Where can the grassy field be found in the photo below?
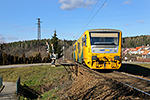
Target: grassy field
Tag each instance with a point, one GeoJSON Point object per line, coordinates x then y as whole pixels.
{"type": "Point", "coordinates": [37, 80]}
{"type": "Point", "coordinates": [136, 69]}
{"type": "Point", "coordinates": [143, 65]}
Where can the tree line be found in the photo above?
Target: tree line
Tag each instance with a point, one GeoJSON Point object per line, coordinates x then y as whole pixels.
{"type": "Point", "coordinates": [30, 47]}
{"type": "Point", "coordinates": [7, 59]}
{"type": "Point", "coordinates": [26, 52]}
{"type": "Point", "coordinates": [136, 41]}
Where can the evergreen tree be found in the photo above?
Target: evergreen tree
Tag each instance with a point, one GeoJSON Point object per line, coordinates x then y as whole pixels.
{"type": "Point", "coordinates": [20, 60]}
{"type": "Point", "coordinates": [16, 59]}
{"type": "Point", "coordinates": [38, 58]}
{"type": "Point", "coordinates": [2, 47]}
{"type": "Point", "coordinates": [27, 60]}
{"type": "Point", "coordinates": [45, 60]}
{"type": "Point", "coordinates": [31, 59]}
{"type": "Point", "coordinates": [1, 59]}
{"type": "Point", "coordinates": [57, 47]}
{"type": "Point", "coordinates": [9, 59]}
{"type": "Point", "coordinates": [5, 59]}
{"type": "Point", "coordinates": [12, 59]}
{"type": "Point", "coordinates": [23, 58]}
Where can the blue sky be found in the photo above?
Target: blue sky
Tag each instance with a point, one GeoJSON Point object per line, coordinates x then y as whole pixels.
{"type": "Point", "coordinates": [18, 18]}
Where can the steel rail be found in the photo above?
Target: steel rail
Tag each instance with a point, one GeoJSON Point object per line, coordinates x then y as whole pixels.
{"type": "Point", "coordinates": [97, 73]}
{"type": "Point", "coordinates": [121, 82]}
{"type": "Point", "coordinates": [132, 86]}
{"type": "Point", "coordinates": [135, 76]}
{"type": "Point", "coordinates": [135, 88]}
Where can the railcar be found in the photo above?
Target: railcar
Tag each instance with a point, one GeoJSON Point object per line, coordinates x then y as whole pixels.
{"type": "Point", "coordinates": [99, 49]}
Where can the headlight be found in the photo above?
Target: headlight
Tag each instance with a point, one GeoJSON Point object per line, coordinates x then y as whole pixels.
{"type": "Point", "coordinates": [94, 57]}
{"type": "Point", "coordinates": [116, 58]}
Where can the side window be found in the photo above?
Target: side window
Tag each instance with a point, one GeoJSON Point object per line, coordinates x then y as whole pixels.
{"type": "Point", "coordinates": [85, 40]}
{"type": "Point", "coordinates": [74, 47]}
{"type": "Point", "coordinates": [82, 41]}
{"type": "Point", "coordinates": [78, 47]}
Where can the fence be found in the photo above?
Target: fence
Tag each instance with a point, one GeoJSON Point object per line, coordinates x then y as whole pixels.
{"type": "Point", "coordinates": [1, 80]}
{"type": "Point", "coordinates": [18, 85]}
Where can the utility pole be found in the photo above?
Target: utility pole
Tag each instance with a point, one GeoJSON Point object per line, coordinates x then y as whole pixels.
{"type": "Point", "coordinates": [39, 34]}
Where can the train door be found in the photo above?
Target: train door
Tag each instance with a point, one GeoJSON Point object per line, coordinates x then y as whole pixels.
{"type": "Point", "coordinates": [85, 53]}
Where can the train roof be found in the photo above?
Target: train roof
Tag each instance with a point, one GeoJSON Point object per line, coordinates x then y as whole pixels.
{"type": "Point", "coordinates": [103, 30]}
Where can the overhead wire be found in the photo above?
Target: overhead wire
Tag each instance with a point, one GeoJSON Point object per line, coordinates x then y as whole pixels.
{"type": "Point", "coordinates": [93, 15]}
{"type": "Point", "coordinates": [90, 13]}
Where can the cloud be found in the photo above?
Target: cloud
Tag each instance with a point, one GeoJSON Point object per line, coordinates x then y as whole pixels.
{"type": "Point", "coordinates": [2, 39]}
{"type": "Point", "coordinates": [127, 2]}
{"type": "Point", "coordinates": [13, 38]}
{"type": "Point", "coordinates": [140, 21]}
{"type": "Point", "coordinates": [73, 4]}
{"type": "Point", "coordinates": [128, 24]}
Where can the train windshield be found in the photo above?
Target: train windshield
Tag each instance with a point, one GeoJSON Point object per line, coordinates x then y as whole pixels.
{"type": "Point", "coordinates": [104, 39]}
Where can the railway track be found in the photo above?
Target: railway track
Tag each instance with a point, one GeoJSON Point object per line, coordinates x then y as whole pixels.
{"type": "Point", "coordinates": [132, 86]}
{"type": "Point", "coordinates": [139, 84]}
{"type": "Point", "coordinates": [120, 85]}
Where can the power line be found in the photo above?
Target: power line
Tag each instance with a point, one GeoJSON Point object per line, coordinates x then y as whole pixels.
{"type": "Point", "coordinates": [90, 14]}
{"type": "Point", "coordinates": [94, 15]}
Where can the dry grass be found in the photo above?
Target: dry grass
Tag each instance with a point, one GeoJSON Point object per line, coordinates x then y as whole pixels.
{"type": "Point", "coordinates": [37, 79]}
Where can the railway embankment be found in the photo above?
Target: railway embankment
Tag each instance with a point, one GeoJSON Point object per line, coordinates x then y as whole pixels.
{"type": "Point", "coordinates": [47, 82]}
{"type": "Point", "coordinates": [88, 85]}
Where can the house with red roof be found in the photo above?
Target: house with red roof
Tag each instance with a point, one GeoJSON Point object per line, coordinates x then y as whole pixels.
{"type": "Point", "coordinates": [146, 54]}
{"type": "Point", "coordinates": [125, 51]}
{"type": "Point", "coordinates": [132, 51]}
{"type": "Point", "coordinates": [137, 50]}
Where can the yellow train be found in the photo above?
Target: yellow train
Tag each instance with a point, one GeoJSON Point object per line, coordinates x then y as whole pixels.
{"type": "Point", "coordinates": [99, 49]}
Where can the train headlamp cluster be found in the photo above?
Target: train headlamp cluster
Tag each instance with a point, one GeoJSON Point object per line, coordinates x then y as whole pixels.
{"type": "Point", "coordinates": [94, 57]}
{"type": "Point", "coordinates": [116, 58]}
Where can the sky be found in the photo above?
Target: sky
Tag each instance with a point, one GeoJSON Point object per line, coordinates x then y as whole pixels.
{"type": "Point", "coordinates": [70, 18]}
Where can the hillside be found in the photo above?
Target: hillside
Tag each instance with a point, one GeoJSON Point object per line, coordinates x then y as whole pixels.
{"type": "Point", "coordinates": [30, 47]}
{"type": "Point", "coordinates": [136, 41]}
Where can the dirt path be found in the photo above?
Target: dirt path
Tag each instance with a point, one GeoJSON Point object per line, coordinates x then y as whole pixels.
{"type": "Point", "coordinates": [8, 91]}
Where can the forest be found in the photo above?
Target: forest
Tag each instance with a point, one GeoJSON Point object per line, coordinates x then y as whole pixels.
{"type": "Point", "coordinates": [136, 41]}
{"type": "Point", "coordinates": [32, 51]}
{"type": "Point", "coordinates": [22, 52]}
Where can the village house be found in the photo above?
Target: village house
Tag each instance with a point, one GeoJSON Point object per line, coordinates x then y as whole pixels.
{"type": "Point", "coordinates": [146, 54]}
{"type": "Point", "coordinates": [144, 51]}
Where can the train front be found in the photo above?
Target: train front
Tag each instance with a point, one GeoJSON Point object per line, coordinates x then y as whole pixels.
{"type": "Point", "coordinates": [105, 49]}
